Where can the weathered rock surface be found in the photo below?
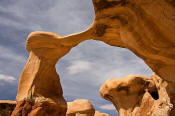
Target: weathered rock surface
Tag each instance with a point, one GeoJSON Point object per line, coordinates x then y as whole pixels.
{"type": "Point", "coordinates": [146, 27]}
{"type": "Point", "coordinates": [126, 93]}
{"type": "Point", "coordinates": [80, 107]}
{"type": "Point", "coordinates": [164, 106]}
{"type": "Point", "coordinates": [140, 96]}
{"type": "Point", "coordinates": [6, 107]}
{"type": "Point", "coordinates": [97, 113]}
{"type": "Point", "coordinates": [40, 92]}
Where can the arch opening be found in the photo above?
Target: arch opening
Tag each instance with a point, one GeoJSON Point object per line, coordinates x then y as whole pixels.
{"type": "Point", "coordinates": [87, 66]}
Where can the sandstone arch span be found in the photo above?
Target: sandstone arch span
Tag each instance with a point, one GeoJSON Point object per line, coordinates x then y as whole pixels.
{"type": "Point", "coordinates": [145, 27]}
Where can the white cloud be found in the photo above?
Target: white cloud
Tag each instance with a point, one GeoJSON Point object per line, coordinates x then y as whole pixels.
{"type": "Point", "coordinates": [79, 66]}
{"type": "Point", "coordinates": [108, 107]}
{"type": "Point", "coordinates": [7, 78]}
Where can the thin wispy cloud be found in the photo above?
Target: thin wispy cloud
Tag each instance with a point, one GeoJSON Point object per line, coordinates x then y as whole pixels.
{"type": "Point", "coordinates": [79, 66]}
{"type": "Point", "coordinates": [108, 107]}
{"type": "Point", "coordinates": [7, 78]}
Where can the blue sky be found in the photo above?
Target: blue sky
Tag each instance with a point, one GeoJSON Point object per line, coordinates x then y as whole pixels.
{"type": "Point", "coordinates": [83, 70]}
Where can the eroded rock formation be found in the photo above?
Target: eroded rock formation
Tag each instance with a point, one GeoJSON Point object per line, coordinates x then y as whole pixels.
{"type": "Point", "coordinates": [40, 92]}
{"type": "Point", "coordinates": [126, 93]}
{"type": "Point", "coordinates": [146, 27]}
{"type": "Point", "coordinates": [80, 107]}
{"type": "Point", "coordinates": [140, 96]}
{"type": "Point", "coordinates": [6, 107]}
{"type": "Point", "coordinates": [165, 105]}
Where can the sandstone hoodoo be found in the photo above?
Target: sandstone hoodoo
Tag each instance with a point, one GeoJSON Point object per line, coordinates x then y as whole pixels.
{"type": "Point", "coordinates": [40, 92]}
{"type": "Point", "coordinates": [139, 96]}
{"type": "Point", "coordinates": [127, 93]}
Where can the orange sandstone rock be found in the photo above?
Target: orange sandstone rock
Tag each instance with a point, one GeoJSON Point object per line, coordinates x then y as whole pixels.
{"type": "Point", "coordinates": [80, 107]}
{"type": "Point", "coordinates": [97, 113]}
{"type": "Point", "coordinates": [6, 107]}
{"type": "Point", "coordinates": [164, 106]}
{"type": "Point", "coordinates": [126, 93]}
{"type": "Point", "coordinates": [140, 96]}
{"type": "Point", "coordinates": [40, 92]}
{"type": "Point", "coordinates": [146, 27]}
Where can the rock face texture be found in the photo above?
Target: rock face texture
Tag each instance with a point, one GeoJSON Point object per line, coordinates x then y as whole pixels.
{"type": "Point", "coordinates": [146, 27]}
{"type": "Point", "coordinates": [140, 96]}
{"type": "Point", "coordinates": [40, 92]}
{"type": "Point", "coordinates": [80, 107]}
{"type": "Point", "coordinates": [126, 93]}
{"type": "Point", "coordinates": [6, 107]}
{"type": "Point", "coordinates": [164, 106]}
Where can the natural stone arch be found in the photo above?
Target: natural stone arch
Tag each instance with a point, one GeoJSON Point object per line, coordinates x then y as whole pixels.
{"type": "Point", "coordinates": [145, 27]}
{"type": "Point", "coordinates": [40, 91]}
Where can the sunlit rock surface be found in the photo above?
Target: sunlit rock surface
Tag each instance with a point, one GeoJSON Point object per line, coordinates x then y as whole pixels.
{"type": "Point", "coordinates": [140, 96]}
{"type": "Point", "coordinates": [40, 92]}
{"type": "Point", "coordinates": [146, 27]}
{"type": "Point", "coordinates": [80, 107]}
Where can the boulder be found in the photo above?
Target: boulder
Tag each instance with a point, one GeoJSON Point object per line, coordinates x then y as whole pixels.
{"type": "Point", "coordinates": [81, 107]}
{"type": "Point", "coordinates": [6, 107]}
{"type": "Point", "coordinates": [135, 95]}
